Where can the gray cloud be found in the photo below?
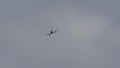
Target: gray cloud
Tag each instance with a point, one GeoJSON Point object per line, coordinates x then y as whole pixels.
{"type": "Point", "coordinates": [86, 38]}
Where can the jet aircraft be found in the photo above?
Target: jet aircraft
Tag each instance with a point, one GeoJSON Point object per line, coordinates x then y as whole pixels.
{"type": "Point", "coordinates": [51, 32]}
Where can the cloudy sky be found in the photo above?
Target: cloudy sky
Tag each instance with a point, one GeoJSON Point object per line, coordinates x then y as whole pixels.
{"type": "Point", "coordinates": [88, 35]}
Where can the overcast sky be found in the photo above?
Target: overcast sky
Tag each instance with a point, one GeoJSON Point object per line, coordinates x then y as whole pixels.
{"type": "Point", "coordinates": [88, 35]}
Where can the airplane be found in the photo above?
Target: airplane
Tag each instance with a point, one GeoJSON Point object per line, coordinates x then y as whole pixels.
{"type": "Point", "coordinates": [52, 32]}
